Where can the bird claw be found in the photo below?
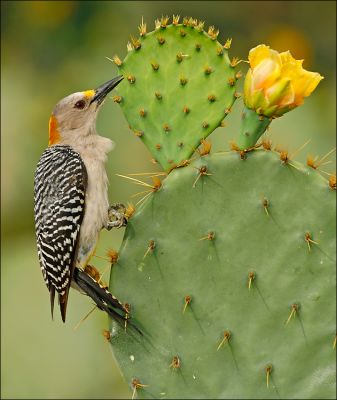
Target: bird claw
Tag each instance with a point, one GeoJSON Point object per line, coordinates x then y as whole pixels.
{"type": "Point", "coordinates": [116, 216]}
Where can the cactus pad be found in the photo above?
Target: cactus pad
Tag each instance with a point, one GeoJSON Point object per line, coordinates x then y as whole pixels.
{"type": "Point", "coordinates": [229, 269]}
{"type": "Point", "coordinates": [179, 85]}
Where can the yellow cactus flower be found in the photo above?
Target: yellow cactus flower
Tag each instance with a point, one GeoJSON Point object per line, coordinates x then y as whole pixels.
{"type": "Point", "coordinates": [276, 82]}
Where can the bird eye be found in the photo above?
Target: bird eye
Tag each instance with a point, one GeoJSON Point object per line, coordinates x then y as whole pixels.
{"type": "Point", "coordinates": [80, 104]}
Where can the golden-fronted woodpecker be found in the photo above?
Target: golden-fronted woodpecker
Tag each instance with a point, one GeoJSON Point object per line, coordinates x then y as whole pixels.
{"type": "Point", "coordinates": [71, 200]}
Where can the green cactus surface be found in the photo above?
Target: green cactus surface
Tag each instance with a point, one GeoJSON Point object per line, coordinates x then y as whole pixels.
{"type": "Point", "coordinates": [229, 269]}
{"type": "Point", "coordinates": [179, 85]}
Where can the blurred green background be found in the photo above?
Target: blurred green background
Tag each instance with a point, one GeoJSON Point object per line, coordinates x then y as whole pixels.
{"type": "Point", "coordinates": [51, 49]}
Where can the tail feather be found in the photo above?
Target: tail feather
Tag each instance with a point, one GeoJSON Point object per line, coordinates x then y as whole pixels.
{"type": "Point", "coordinates": [102, 297]}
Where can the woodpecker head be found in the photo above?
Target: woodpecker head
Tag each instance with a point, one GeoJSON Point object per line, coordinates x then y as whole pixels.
{"type": "Point", "coordinates": [75, 115]}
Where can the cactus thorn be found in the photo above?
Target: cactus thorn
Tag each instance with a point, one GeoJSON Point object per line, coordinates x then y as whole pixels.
{"type": "Point", "coordinates": [106, 334]}
{"type": "Point", "coordinates": [212, 32]}
{"type": "Point", "coordinates": [187, 301]}
{"type": "Point", "coordinates": [293, 312]}
{"type": "Point", "coordinates": [332, 181]}
{"type": "Point", "coordinates": [183, 81]}
{"type": "Point", "coordinates": [208, 70]}
{"type": "Point", "coordinates": [227, 111]}
{"type": "Point", "coordinates": [238, 75]}
{"type": "Point", "coordinates": [219, 51]}
{"type": "Point", "coordinates": [265, 204]}
{"type": "Point", "coordinates": [157, 23]}
{"type": "Point", "coordinates": [186, 110]}
{"type": "Point", "coordinates": [311, 162]}
{"type": "Point", "coordinates": [228, 43]}
{"type": "Point", "coordinates": [150, 247]}
{"type": "Point", "coordinates": [155, 66]}
{"type": "Point", "coordinates": [161, 40]}
{"type": "Point", "coordinates": [131, 78]}
{"type": "Point", "coordinates": [142, 28]}
{"type": "Point", "coordinates": [142, 112]}
{"type": "Point", "coordinates": [182, 33]}
{"type": "Point", "coordinates": [180, 144]}
{"type": "Point", "coordinates": [235, 61]}
{"type": "Point", "coordinates": [117, 60]}
{"type": "Point", "coordinates": [139, 133]}
{"type": "Point", "coordinates": [185, 21]}
{"type": "Point", "coordinates": [211, 98]}
{"type": "Point", "coordinates": [117, 99]}
{"type": "Point", "coordinates": [164, 21]}
{"type": "Point", "coordinates": [205, 148]}
{"type": "Point", "coordinates": [309, 240]}
{"type": "Point", "coordinates": [237, 95]}
{"type": "Point", "coordinates": [112, 255]}
{"type": "Point", "coordinates": [226, 338]}
{"type": "Point", "coordinates": [175, 19]}
{"type": "Point", "coordinates": [231, 81]}
{"type": "Point", "coordinates": [269, 369]}
{"type": "Point", "coordinates": [158, 146]}
{"type": "Point", "coordinates": [175, 364]}
{"type": "Point", "coordinates": [334, 342]}
{"type": "Point", "coordinates": [130, 210]}
{"type": "Point", "coordinates": [205, 125]}
{"type": "Point", "coordinates": [129, 47]}
{"type": "Point", "coordinates": [251, 277]}
{"type": "Point", "coordinates": [158, 95]}
{"type": "Point", "coordinates": [136, 43]}
{"type": "Point", "coordinates": [197, 46]}
{"type": "Point", "coordinates": [200, 26]}
{"type": "Point", "coordinates": [210, 235]}
{"type": "Point", "coordinates": [166, 127]}
{"type": "Point", "coordinates": [202, 172]}
{"type": "Point", "coordinates": [136, 384]}
{"type": "Point", "coordinates": [266, 144]}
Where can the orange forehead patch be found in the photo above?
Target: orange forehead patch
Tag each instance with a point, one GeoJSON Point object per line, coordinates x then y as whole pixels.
{"type": "Point", "coordinates": [54, 134]}
{"type": "Point", "coordinates": [89, 93]}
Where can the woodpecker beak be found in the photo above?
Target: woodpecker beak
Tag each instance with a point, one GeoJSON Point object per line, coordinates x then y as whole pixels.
{"type": "Point", "coordinates": [103, 90]}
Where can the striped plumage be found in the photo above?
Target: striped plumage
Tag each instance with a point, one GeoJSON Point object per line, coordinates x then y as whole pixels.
{"type": "Point", "coordinates": [59, 194]}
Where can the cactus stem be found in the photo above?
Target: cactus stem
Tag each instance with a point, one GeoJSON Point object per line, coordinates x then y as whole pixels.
{"type": "Point", "coordinates": [210, 235]}
{"type": "Point", "coordinates": [226, 337]}
{"type": "Point", "coordinates": [265, 204]}
{"type": "Point", "coordinates": [309, 240]}
{"type": "Point", "coordinates": [293, 312]}
{"type": "Point", "coordinates": [106, 334]}
{"type": "Point", "coordinates": [269, 369]}
{"type": "Point", "coordinates": [202, 172]}
{"type": "Point", "coordinates": [175, 364]}
{"type": "Point", "coordinates": [158, 95]}
{"type": "Point", "coordinates": [150, 247]}
{"type": "Point", "coordinates": [187, 300]}
{"type": "Point", "coordinates": [136, 384]}
{"type": "Point", "coordinates": [251, 277]}
{"type": "Point", "coordinates": [334, 342]}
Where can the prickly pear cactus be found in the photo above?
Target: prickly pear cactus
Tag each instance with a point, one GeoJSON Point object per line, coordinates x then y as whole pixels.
{"type": "Point", "coordinates": [179, 86]}
{"type": "Point", "coordinates": [229, 271]}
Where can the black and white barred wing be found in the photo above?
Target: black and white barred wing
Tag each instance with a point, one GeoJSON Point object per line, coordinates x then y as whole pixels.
{"type": "Point", "coordinates": [59, 194]}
